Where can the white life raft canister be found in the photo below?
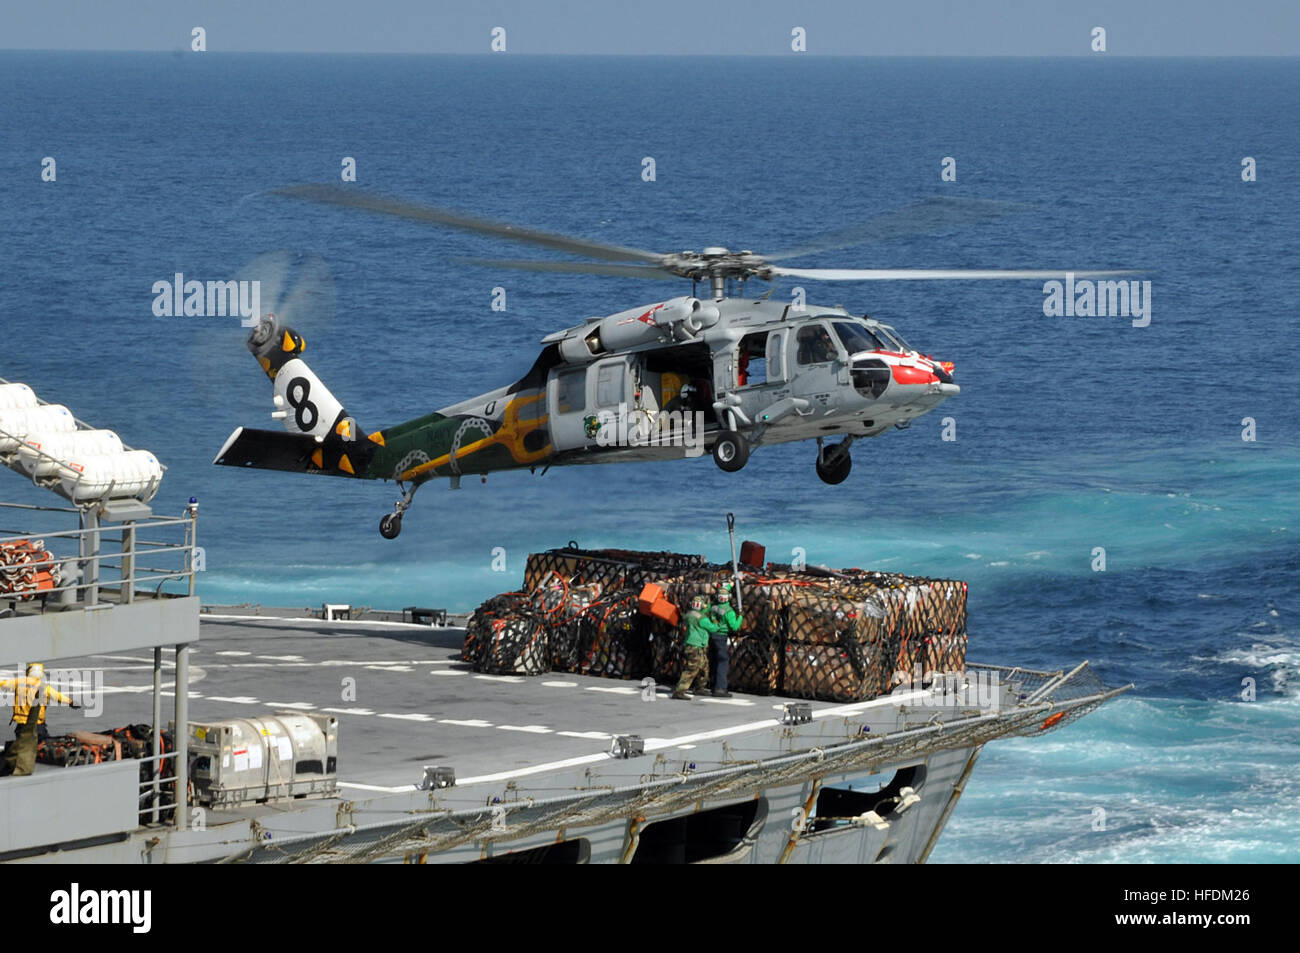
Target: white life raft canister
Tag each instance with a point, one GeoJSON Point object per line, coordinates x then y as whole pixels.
{"type": "Point", "coordinates": [133, 474]}
{"type": "Point", "coordinates": [16, 395]}
{"type": "Point", "coordinates": [17, 422]}
{"type": "Point", "coordinates": [35, 454]}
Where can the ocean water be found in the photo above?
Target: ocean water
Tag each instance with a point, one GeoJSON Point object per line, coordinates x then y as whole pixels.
{"type": "Point", "coordinates": [1072, 433]}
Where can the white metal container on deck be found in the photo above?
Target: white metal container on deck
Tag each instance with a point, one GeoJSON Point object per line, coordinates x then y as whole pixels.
{"type": "Point", "coordinates": [246, 760]}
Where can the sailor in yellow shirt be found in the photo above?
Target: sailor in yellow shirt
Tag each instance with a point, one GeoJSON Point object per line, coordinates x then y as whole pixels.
{"type": "Point", "coordinates": [30, 697]}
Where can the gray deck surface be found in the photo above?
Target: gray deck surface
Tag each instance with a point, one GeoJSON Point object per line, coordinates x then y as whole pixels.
{"type": "Point", "coordinates": [415, 702]}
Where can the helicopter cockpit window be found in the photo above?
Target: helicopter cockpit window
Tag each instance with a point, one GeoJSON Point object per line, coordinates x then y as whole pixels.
{"type": "Point", "coordinates": [892, 335]}
{"type": "Point", "coordinates": [609, 385]}
{"type": "Point", "coordinates": [571, 392]}
{"type": "Point", "coordinates": [857, 338]}
{"type": "Point", "coordinates": [813, 345]}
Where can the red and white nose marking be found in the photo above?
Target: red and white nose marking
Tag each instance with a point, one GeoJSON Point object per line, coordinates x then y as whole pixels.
{"type": "Point", "coordinates": [924, 377]}
{"type": "Point", "coordinates": [913, 373]}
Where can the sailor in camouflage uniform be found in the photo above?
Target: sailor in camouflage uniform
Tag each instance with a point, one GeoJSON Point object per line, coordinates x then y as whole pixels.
{"type": "Point", "coordinates": [698, 629]}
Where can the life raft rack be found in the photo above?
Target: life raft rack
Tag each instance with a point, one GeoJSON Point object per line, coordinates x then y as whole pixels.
{"type": "Point", "coordinates": [83, 464]}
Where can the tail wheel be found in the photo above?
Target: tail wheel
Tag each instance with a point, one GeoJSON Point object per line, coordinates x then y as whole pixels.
{"type": "Point", "coordinates": [835, 469]}
{"type": "Point", "coordinates": [730, 451]}
{"type": "Point", "coordinates": [390, 526]}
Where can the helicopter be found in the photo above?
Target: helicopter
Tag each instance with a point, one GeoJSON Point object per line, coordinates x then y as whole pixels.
{"type": "Point", "coordinates": [666, 380]}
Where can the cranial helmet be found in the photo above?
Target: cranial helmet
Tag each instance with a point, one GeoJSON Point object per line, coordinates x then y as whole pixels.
{"type": "Point", "coordinates": [699, 603]}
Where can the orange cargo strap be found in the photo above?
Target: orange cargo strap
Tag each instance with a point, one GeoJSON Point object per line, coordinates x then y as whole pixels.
{"type": "Point", "coordinates": [1051, 720]}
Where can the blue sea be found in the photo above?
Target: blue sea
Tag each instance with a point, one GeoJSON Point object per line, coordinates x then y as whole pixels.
{"type": "Point", "coordinates": [1072, 433]}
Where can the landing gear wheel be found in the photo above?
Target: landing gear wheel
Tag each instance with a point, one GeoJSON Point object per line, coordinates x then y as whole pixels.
{"type": "Point", "coordinates": [390, 526]}
{"type": "Point", "coordinates": [730, 451]}
{"type": "Point", "coordinates": [835, 470]}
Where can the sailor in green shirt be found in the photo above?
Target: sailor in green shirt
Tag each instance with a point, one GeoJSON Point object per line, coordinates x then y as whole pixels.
{"type": "Point", "coordinates": [699, 627]}
{"type": "Point", "coordinates": [728, 621]}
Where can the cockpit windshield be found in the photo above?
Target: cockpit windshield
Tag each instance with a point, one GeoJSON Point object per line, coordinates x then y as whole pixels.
{"type": "Point", "coordinates": [857, 337]}
{"type": "Point", "coordinates": [892, 335]}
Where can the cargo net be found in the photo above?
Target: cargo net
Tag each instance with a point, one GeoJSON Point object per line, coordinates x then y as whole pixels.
{"type": "Point", "coordinates": [842, 636]}
{"type": "Point", "coordinates": [858, 637]}
{"type": "Point", "coordinates": [130, 742]}
{"type": "Point", "coordinates": [1071, 695]}
{"type": "Point", "coordinates": [27, 568]}
{"type": "Point", "coordinates": [611, 569]}
{"type": "Point", "coordinates": [560, 627]}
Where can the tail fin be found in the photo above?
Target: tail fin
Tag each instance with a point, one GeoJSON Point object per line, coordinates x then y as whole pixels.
{"type": "Point", "coordinates": [322, 436]}
{"type": "Point", "coordinates": [304, 403]}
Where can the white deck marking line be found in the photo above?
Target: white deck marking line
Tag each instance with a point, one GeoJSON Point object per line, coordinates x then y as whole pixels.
{"type": "Point", "coordinates": [507, 679]}
{"type": "Point", "coordinates": [744, 703]}
{"type": "Point", "coordinates": [531, 729]}
{"type": "Point", "coordinates": [614, 689]}
{"type": "Point", "coordinates": [589, 735]}
{"type": "Point", "coordinates": [232, 652]}
{"type": "Point", "coordinates": [232, 699]}
{"type": "Point", "coordinates": [271, 620]}
{"type": "Point", "coordinates": [652, 744]}
{"type": "Point", "coordinates": [281, 658]}
{"type": "Point", "coordinates": [538, 768]}
{"type": "Point", "coordinates": [852, 708]}
{"type": "Point", "coordinates": [300, 705]}
{"type": "Point", "coordinates": [466, 722]}
{"type": "Point", "coordinates": [414, 716]}
{"type": "Point", "coordinates": [353, 662]}
{"type": "Point", "coordinates": [376, 787]}
{"type": "Point", "coordinates": [348, 711]}
{"type": "Point", "coordinates": [449, 671]}
{"type": "Point", "coordinates": [559, 684]}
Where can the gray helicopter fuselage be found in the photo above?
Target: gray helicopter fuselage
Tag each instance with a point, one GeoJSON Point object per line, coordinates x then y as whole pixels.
{"type": "Point", "coordinates": [664, 380]}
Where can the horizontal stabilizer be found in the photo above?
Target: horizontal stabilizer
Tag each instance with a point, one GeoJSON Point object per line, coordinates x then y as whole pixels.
{"type": "Point", "coordinates": [269, 450]}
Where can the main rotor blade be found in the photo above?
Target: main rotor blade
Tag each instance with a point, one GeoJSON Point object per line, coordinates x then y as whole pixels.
{"type": "Point", "coordinates": [932, 215]}
{"type": "Point", "coordinates": [934, 274]}
{"type": "Point", "coordinates": [575, 268]}
{"type": "Point", "coordinates": [400, 208]}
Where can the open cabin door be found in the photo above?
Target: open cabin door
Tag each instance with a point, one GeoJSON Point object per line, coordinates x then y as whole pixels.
{"type": "Point", "coordinates": [764, 372]}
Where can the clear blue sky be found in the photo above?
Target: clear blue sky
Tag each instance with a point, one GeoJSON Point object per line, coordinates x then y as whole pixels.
{"type": "Point", "coordinates": [840, 27]}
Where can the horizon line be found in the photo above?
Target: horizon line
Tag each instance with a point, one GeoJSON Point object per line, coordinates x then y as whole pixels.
{"type": "Point", "coordinates": [672, 55]}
